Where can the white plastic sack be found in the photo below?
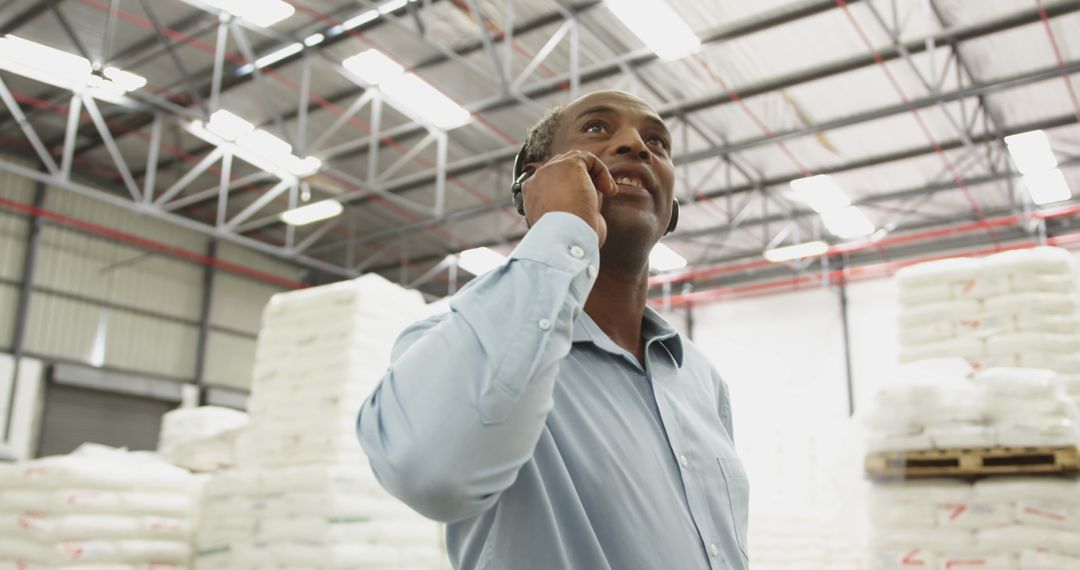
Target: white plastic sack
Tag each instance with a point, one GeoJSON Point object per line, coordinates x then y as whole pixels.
{"type": "Point", "coordinates": [974, 515]}
{"type": "Point", "coordinates": [926, 333]}
{"type": "Point", "coordinates": [1020, 537]}
{"type": "Point", "coordinates": [902, 559]}
{"type": "Point", "coordinates": [1031, 303]}
{"type": "Point", "coordinates": [932, 539]}
{"type": "Point", "coordinates": [934, 293]}
{"type": "Point", "coordinates": [938, 312]}
{"type": "Point", "coordinates": [927, 492]}
{"type": "Point", "coordinates": [1061, 513]}
{"type": "Point", "coordinates": [937, 272]}
{"type": "Point", "coordinates": [1014, 489]}
{"type": "Point", "coordinates": [1052, 283]}
{"type": "Point", "coordinates": [962, 436]}
{"type": "Point", "coordinates": [1046, 560]}
{"type": "Point", "coordinates": [964, 347]}
{"type": "Point", "coordinates": [980, 287]}
{"type": "Point", "coordinates": [1025, 383]}
{"type": "Point", "coordinates": [980, 560]}
{"type": "Point", "coordinates": [1043, 259]}
{"type": "Point", "coordinates": [1060, 324]}
{"type": "Point", "coordinates": [1038, 433]}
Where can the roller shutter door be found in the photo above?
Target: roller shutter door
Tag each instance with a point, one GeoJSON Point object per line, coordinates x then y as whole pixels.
{"type": "Point", "coordinates": [74, 415]}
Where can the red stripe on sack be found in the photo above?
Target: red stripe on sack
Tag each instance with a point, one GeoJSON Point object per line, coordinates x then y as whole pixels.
{"type": "Point", "coordinates": [1046, 514]}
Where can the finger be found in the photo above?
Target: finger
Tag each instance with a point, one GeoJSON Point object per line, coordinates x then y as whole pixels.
{"type": "Point", "coordinates": [601, 177]}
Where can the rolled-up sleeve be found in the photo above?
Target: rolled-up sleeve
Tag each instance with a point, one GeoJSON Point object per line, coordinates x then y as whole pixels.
{"type": "Point", "coordinates": [467, 393]}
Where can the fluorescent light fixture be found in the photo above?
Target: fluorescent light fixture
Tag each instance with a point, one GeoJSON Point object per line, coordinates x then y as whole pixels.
{"type": "Point", "coordinates": [43, 63]}
{"type": "Point", "coordinates": [419, 97]}
{"type": "Point", "coordinates": [1047, 186]}
{"type": "Point", "coordinates": [658, 26]}
{"type": "Point", "coordinates": [373, 66]}
{"type": "Point", "coordinates": [360, 19]}
{"type": "Point", "coordinates": [228, 125]}
{"type": "Point", "coordinates": [126, 80]}
{"type": "Point", "coordinates": [301, 167]}
{"type": "Point", "coordinates": [820, 192]}
{"type": "Point", "coordinates": [663, 258]}
{"type": "Point", "coordinates": [480, 260]}
{"type": "Point", "coordinates": [263, 13]}
{"type": "Point", "coordinates": [1031, 152]}
{"type": "Point", "coordinates": [848, 222]}
{"type": "Point", "coordinates": [263, 143]}
{"type": "Point", "coordinates": [312, 212]}
{"type": "Point", "coordinates": [276, 56]}
{"type": "Point", "coordinates": [797, 251]}
{"type": "Point", "coordinates": [314, 39]}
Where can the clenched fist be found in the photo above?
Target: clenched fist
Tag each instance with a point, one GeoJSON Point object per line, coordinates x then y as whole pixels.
{"type": "Point", "coordinates": [576, 182]}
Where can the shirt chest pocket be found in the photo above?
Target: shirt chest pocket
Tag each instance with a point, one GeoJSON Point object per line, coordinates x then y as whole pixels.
{"type": "Point", "coordinates": [737, 488]}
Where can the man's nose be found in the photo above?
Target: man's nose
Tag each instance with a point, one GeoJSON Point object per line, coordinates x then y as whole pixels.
{"type": "Point", "coordinates": [629, 142]}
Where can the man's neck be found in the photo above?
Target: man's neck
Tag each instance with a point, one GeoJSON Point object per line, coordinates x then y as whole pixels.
{"type": "Point", "coordinates": [617, 305]}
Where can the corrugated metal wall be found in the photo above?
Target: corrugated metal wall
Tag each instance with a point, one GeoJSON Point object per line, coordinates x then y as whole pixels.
{"type": "Point", "coordinates": [147, 304]}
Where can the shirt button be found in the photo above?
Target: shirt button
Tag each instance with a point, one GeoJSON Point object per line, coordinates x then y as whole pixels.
{"type": "Point", "coordinates": [590, 271]}
{"type": "Point", "coordinates": [713, 550]}
{"type": "Point", "coordinates": [544, 324]}
{"type": "Point", "coordinates": [683, 461]}
{"type": "Point", "coordinates": [577, 252]}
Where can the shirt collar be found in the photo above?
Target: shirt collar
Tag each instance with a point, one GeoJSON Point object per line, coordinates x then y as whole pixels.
{"type": "Point", "coordinates": [653, 327]}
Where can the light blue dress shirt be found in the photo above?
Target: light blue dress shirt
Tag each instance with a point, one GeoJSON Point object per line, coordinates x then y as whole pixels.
{"type": "Point", "coordinates": [543, 444]}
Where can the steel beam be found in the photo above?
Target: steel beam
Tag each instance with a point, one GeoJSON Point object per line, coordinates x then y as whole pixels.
{"type": "Point", "coordinates": [177, 62]}
{"type": "Point", "coordinates": [110, 198]}
{"type": "Point", "coordinates": [864, 163]}
{"type": "Point", "coordinates": [203, 342]}
{"type": "Point", "coordinates": [111, 147]}
{"type": "Point", "coordinates": [71, 130]}
{"type": "Point", "coordinates": [22, 305]}
{"type": "Point", "coordinates": [479, 162]}
{"type": "Point", "coordinates": [27, 129]}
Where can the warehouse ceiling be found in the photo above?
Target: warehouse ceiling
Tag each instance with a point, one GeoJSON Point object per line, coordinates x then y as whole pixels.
{"type": "Point", "coordinates": [905, 103]}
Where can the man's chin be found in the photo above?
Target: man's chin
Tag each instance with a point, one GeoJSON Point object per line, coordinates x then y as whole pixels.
{"type": "Point", "coordinates": [631, 226]}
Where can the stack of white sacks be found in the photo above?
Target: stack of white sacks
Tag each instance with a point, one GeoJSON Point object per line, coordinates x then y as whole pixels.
{"type": "Point", "coordinates": [944, 404]}
{"type": "Point", "coordinates": [201, 439]}
{"type": "Point", "coordinates": [993, 524]}
{"type": "Point", "coordinates": [303, 496]}
{"type": "Point", "coordinates": [97, 508]}
{"type": "Point", "coordinates": [1014, 309]}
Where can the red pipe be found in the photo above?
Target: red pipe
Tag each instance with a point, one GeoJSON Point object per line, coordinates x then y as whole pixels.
{"type": "Point", "coordinates": [857, 274]}
{"type": "Point", "coordinates": [842, 249]}
{"type": "Point", "coordinates": [151, 245]}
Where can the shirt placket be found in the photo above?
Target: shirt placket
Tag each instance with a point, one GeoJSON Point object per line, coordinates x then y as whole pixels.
{"type": "Point", "coordinates": [691, 460]}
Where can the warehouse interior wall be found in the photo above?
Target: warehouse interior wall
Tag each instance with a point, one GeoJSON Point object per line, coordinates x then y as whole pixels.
{"type": "Point", "coordinates": [120, 307]}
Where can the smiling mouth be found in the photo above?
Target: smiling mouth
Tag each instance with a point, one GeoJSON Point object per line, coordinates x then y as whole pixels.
{"type": "Point", "coordinates": [631, 181]}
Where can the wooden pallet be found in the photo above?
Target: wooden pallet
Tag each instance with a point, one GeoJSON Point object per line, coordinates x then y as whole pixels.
{"type": "Point", "coordinates": [973, 462]}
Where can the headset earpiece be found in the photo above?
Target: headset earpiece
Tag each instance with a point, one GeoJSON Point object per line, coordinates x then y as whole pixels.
{"type": "Point", "coordinates": [515, 189]}
{"type": "Point", "coordinates": [674, 221]}
{"type": "Point", "coordinates": [520, 176]}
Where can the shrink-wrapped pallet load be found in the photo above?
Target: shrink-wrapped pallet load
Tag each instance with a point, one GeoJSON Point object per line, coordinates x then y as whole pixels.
{"type": "Point", "coordinates": [97, 507]}
{"type": "Point", "coordinates": [302, 495]}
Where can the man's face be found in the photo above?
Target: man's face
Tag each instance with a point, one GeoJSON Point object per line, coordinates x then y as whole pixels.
{"type": "Point", "coordinates": [629, 137]}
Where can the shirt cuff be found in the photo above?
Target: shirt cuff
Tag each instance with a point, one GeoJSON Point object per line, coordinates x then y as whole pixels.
{"type": "Point", "coordinates": [563, 241]}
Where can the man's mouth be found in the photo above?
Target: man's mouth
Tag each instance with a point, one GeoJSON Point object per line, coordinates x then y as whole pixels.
{"type": "Point", "coordinates": [630, 181]}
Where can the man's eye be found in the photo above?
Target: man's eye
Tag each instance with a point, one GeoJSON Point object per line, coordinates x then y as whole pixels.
{"type": "Point", "coordinates": [594, 127]}
{"type": "Point", "coordinates": [659, 140]}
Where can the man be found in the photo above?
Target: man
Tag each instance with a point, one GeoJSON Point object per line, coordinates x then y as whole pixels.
{"type": "Point", "coordinates": [550, 437]}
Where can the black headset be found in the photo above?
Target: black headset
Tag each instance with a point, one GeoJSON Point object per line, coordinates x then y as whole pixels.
{"type": "Point", "coordinates": [521, 175]}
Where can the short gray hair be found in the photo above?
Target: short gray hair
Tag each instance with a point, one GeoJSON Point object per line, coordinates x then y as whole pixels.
{"type": "Point", "coordinates": [538, 140]}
